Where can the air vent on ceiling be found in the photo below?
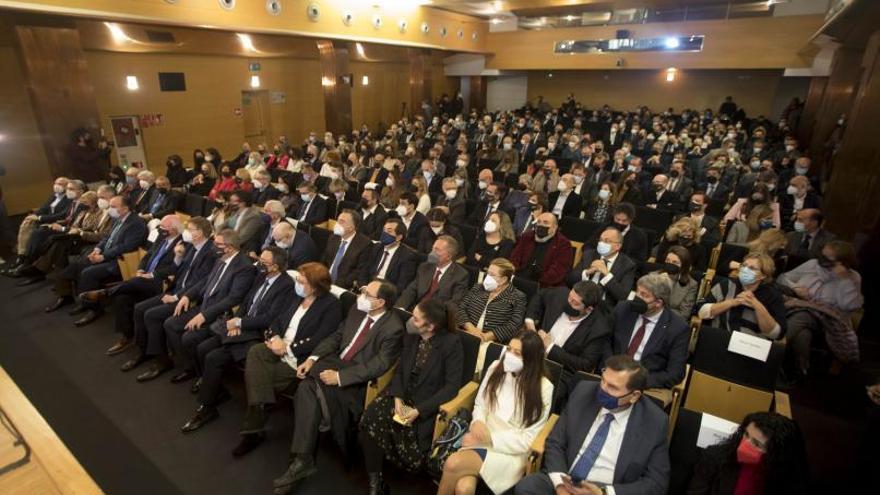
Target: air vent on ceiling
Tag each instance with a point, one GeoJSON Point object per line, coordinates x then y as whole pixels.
{"type": "Point", "coordinates": [160, 36]}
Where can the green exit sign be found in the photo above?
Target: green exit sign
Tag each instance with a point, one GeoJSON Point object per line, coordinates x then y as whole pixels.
{"type": "Point", "coordinates": [254, 67]}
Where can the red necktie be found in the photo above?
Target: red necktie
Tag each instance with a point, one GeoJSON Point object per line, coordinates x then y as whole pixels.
{"type": "Point", "coordinates": [359, 341]}
{"type": "Point", "coordinates": [435, 282]}
{"type": "Point", "coordinates": [637, 338]}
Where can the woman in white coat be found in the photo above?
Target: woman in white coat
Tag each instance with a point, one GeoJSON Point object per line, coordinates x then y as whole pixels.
{"type": "Point", "coordinates": [511, 408]}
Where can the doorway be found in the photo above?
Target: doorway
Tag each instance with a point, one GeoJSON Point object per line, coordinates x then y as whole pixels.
{"type": "Point", "coordinates": [257, 121]}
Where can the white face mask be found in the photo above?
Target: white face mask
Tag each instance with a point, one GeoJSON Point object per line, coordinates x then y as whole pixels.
{"type": "Point", "coordinates": [103, 203]}
{"type": "Point", "coordinates": [451, 193]}
{"type": "Point", "coordinates": [389, 182]}
{"type": "Point", "coordinates": [401, 211]}
{"type": "Point", "coordinates": [58, 189]}
{"type": "Point", "coordinates": [187, 236]}
{"type": "Point", "coordinates": [144, 184]}
{"type": "Point", "coordinates": [482, 184]}
{"type": "Point", "coordinates": [792, 190]}
{"type": "Point", "coordinates": [603, 248]}
{"type": "Point", "coordinates": [113, 212]}
{"type": "Point", "coordinates": [71, 194]}
{"type": "Point", "coordinates": [562, 186]}
{"type": "Point", "coordinates": [363, 303]}
{"type": "Point", "coordinates": [459, 182]}
{"type": "Point", "coordinates": [512, 363]}
{"type": "Point", "coordinates": [282, 244]}
{"type": "Point", "coordinates": [578, 179]}
{"type": "Point", "coordinates": [334, 175]}
{"type": "Point", "coordinates": [489, 283]}
{"type": "Point", "coordinates": [259, 184]}
{"type": "Point", "coordinates": [604, 194]}
{"type": "Point", "coordinates": [437, 230]}
{"type": "Point", "coordinates": [338, 230]}
{"type": "Point", "coordinates": [460, 163]}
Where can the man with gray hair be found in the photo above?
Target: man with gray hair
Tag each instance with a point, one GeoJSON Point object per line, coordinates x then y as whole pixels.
{"type": "Point", "coordinates": [649, 332]}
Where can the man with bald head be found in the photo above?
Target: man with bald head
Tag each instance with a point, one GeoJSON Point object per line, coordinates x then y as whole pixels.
{"type": "Point", "coordinates": [298, 245]}
{"type": "Point", "coordinates": [808, 238]}
{"type": "Point", "coordinates": [564, 202]}
{"type": "Point", "coordinates": [162, 201]}
{"type": "Point", "coordinates": [543, 254]}
{"type": "Point", "coordinates": [659, 197]}
{"type": "Point", "coordinates": [606, 266]}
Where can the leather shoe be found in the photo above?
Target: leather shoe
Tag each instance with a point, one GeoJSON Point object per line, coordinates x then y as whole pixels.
{"type": "Point", "coordinates": [30, 280]}
{"type": "Point", "coordinates": [123, 344]}
{"type": "Point", "coordinates": [194, 389]}
{"type": "Point", "coordinates": [157, 369]}
{"type": "Point", "coordinates": [89, 316]}
{"type": "Point", "coordinates": [59, 303]}
{"type": "Point", "coordinates": [94, 295]}
{"type": "Point", "coordinates": [249, 441]}
{"type": "Point", "coordinates": [204, 415]}
{"type": "Point", "coordinates": [183, 376]}
{"type": "Point", "coordinates": [134, 363]}
{"type": "Point", "coordinates": [378, 485]}
{"type": "Point", "coordinates": [298, 469]}
{"type": "Point", "coordinates": [77, 309]}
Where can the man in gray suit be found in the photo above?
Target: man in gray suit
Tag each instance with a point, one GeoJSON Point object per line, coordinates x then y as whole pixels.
{"type": "Point", "coordinates": [440, 278]}
{"type": "Point", "coordinates": [333, 390]}
{"type": "Point", "coordinates": [247, 220]}
{"type": "Point", "coordinates": [607, 440]}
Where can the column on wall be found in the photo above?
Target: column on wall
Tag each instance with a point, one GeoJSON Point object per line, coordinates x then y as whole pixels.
{"type": "Point", "coordinates": [337, 88]}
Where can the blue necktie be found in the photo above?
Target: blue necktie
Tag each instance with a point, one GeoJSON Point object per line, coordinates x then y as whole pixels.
{"type": "Point", "coordinates": [582, 467]}
{"type": "Point", "coordinates": [258, 298]}
{"type": "Point", "coordinates": [156, 203]}
{"type": "Point", "coordinates": [334, 268]}
{"type": "Point", "coordinates": [158, 257]}
{"type": "Point", "coordinates": [112, 238]}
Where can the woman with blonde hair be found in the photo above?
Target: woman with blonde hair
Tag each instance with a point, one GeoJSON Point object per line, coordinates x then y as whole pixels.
{"type": "Point", "coordinates": [497, 242]}
{"type": "Point", "coordinates": [420, 189]}
{"type": "Point", "coordinates": [771, 242]}
{"type": "Point", "coordinates": [760, 218]}
{"type": "Point", "coordinates": [685, 232]}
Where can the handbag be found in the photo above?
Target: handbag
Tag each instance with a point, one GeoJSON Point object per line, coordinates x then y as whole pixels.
{"type": "Point", "coordinates": [448, 443]}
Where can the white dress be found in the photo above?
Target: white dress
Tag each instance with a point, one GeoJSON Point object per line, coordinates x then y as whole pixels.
{"type": "Point", "coordinates": [511, 442]}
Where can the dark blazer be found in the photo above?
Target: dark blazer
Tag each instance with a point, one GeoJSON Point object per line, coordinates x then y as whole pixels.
{"type": "Point", "coordinates": [380, 351]}
{"type": "Point", "coordinates": [49, 214]}
{"type": "Point", "coordinates": [165, 202]}
{"type": "Point", "coordinates": [438, 381]}
{"type": "Point", "coordinates": [301, 251]}
{"type": "Point", "coordinates": [414, 231]}
{"type": "Point", "coordinates": [721, 193]}
{"type": "Point", "coordinates": [478, 216]}
{"type": "Point", "coordinates": [274, 302]}
{"type": "Point", "coordinates": [195, 267]}
{"type": "Point", "coordinates": [268, 193]}
{"type": "Point", "coordinates": [401, 267]}
{"type": "Point", "coordinates": [319, 322]}
{"type": "Point", "coordinates": [557, 260]}
{"type": "Point", "coordinates": [635, 243]}
{"type": "Point", "coordinates": [797, 254]}
{"type": "Point", "coordinates": [166, 266]}
{"type": "Point", "coordinates": [786, 207]}
{"type": "Point", "coordinates": [711, 235]}
{"type": "Point", "coordinates": [129, 237]}
{"type": "Point", "coordinates": [372, 225]}
{"type": "Point", "coordinates": [683, 189]}
{"type": "Point", "coordinates": [572, 206]}
{"type": "Point", "coordinates": [230, 289]}
{"type": "Point", "coordinates": [642, 466]}
{"type": "Point", "coordinates": [668, 200]}
{"type": "Point", "coordinates": [452, 287]}
{"type": "Point", "coordinates": [623, 273]}
{"type": "Point", "coordinates": [519, 223]}
{"type": "Point", "coordinates": [353, 266]}
{"type": "Point", "coordinates": [584, 347]}
{"type": "Point", "coordinates": [252, 228]}
{"type": "Point", "coordinates": [457, 208]}
{"type": "Point", "coordinates": [141, 199]}
{"type": "Point", "coordinates": [665, 352]}
{"type": "Point", "coordinates": [317, 212]}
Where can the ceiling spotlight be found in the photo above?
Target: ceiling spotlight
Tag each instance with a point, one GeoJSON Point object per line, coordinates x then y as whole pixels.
{"type": "Point", "coordinates": [671, 43]}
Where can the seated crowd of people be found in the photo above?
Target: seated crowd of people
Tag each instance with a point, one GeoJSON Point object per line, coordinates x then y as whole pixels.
{"type": "Point", "coordinates": [463, 224]}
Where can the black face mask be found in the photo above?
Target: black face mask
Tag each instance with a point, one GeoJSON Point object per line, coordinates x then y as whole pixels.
{"type": "Point", "coordinates": [533, 206]}
{"type": "Point", "coordinates": [671, 269]}
{"type": "Point", "coordinates": [570, 311]}
{"type": "Point", "coordinates": [619, 226]}
{"type": "Point", "coordinates": [824, 261]}
{"type": "Point", "coordinates": [226, 174]}
{"type": "Point", "coordinates": [695, 207]}
{"type": "Point", "coordinates": [711, 179]}
{"type": "Point", "coordinates": [542, 231]}
{"type": "Point", "coordinates": [364, 203]}
{"type": "Point", "coordinates": [638, 305]}
{"type": "Point", "coordinates": [674, 174]}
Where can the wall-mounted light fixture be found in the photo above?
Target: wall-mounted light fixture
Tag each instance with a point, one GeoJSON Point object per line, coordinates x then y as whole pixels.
{"type": "Point", "coordinates": [670, 74]}
{"type": "Point", "coordinates": [131, 82]}
{"type": "Point", "coordinates": [365, 81]}
{"type": "Point", "coordinates": [255, 81]}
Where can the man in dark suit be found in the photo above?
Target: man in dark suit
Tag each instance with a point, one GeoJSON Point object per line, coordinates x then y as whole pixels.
{"type": "Point", "coordinates": [544, 254]}
{"type": "Point", "coordinates": [525, 150]}
{"type": "Point", "coordinates": [635, 242]}
{"type": "Point", "coordinates": [348, 252]}
{"type": "Point", "coordinates": [607, 439]}
{"type": "Point", "coordinates": [679, 184]}
{"type": "Point", "coordinates": [156, 268]}
{"type": "Point", "coordinates": [715, 190]}
{"type": "Point", "coordinates": [197, 263]}
{"type": "Point", "coordinates": [299, 247]}
{"type": "Point", "coordinates": [162, 200]}
{"type": "Point", "coordinates": [709, 231]}
{"type": "Point", "coordinates": [646, 330]}
{"type": "Point", "coordinates": [373, 214]}
{"type": "Point", "coordinates": [797, 196]}
{"type": "Point", "coordinates": [575, 327]}
{"type": "Point", "coordinates": [606, 266]}
{"type": "Point", "coordinates": [335, 377]}
{"type": "Point", "coordinates": [263, 188]}
{"type": "Point", "coordinates": [101, 265]}
{"type": "Point", "coordinates": [310, 207]}
{"type": "Point", "coordinates": [414, 220]}
{"type": "Point", "coordinates": [808, 238]}
{"type": "Point", "coordinates": [564, 202]}
{"type": "Point", "coordinates": [145, 192]}
{"type": "Point", "coordinates": [440, 278]}
{"type": "Point", "coordinates": [453, 201]}
{"type": "Point", "coordinates": [659, 197]}
{"type": "Point", "coordinates": [200, 304]}
{"type": "Point", "coordinates": [391, 260]}
{"type": "Point", "coordinates": [491, 202]}
{"type": "Point", "coordinates": [214, 347]}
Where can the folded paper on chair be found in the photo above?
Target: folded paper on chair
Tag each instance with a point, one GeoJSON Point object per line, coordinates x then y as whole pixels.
{"type": "Point", "coordinates": [714, 430]}
{"type": "Point", "coordinates": [749, 346]}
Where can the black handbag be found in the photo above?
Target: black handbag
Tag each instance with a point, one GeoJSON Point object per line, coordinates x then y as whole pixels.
{"type": "Point", "coordinates": [448, 443]}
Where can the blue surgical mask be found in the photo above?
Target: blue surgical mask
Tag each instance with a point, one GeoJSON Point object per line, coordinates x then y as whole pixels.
{"type": "Point", "coordinates": [300, 289]}
{"type": "Point", "coordinates": [607, 400]}
{"type": "Point", "coordinates": [747, 276]}
{"type": "Point", "coordinates": [799, 227]}
{"type": "Point", "coordinates": [603, 248]}
{"type": "Point", "coordinates": [386, 239]}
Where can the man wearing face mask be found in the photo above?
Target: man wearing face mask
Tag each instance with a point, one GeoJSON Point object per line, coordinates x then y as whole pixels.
{"type": "Point", "coordinates": [335, 376]}
{"type": "Point", "coordinates": [544, 254]}
{"type": "Point", "coordinates": [575, 328]}
{"type": "Point", "coordinates": [440, 278]}
{"type": "Point", "coordinates": [310, 207]}
{"type": "Point", "coordinates": [547, 178]}
{"type": "Point", "coordinates": [145, 192]}
{"type": "Point", "coordinates": [649, 332]}
{"type": "Point", "coordinates": [564, 201]}
{"type": "Point", "coordinates": [213, 348]}
{"type": "Point", "coordinates": [660, 197]}
{"type": "Point", "coordinates": [374, 214]}
{"type": "Point", "coordinates": [163, 201]}
{"type": "Point", "coordinates": [263, 189]}
{"type": "Point", "coordinates": [55, 208]}
{"type": "Point", "coordinates": [414, 220]}
{"type": "Point", "coordinates": [710, 235]}
{"type": "Point", "coordinates": [596, 432]}
{"type": "Point", "coordinates": [438, 225]}
{"type": "Point", "coordinates": [798, 196]}
{"type": "Point", "coordinates": [679, 184]}
{"type": "Point", "coordinates": [490, 203]}
{"type": "Point", "coordinates": [635, 241]}
{"type": "Point", "coordinates": [391, 260]}
{"type": "Point", "coordinates": [527, 218]}
{"type": "Point", "coordinates": [715, 190]}
{"type": "Point", "coordinates": [297, 245]}
{"type": "Point", "coordinates": [453, 201]}
{"type": "Point", "coordinates": [808, 237]}
{"type": "Point", "coordinates": [347, 252]}
{"type": "Point", "coordinates": [607, 267]}
{"type": "Point", "coordinates": [246, 220]}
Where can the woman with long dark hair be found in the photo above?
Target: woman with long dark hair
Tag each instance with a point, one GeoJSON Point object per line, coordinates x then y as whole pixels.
{"type": "Point", "coordinates": [766, 455]}
{"type": "Point", "coordinates": [511, 408]}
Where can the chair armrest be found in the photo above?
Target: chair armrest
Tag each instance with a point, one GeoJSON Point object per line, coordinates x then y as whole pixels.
{"type": "Point", "coordinates": [782, 404]}
{"type": "Point", "coordinates": [376, 386]}
{"type": "Point", "coordinates": [536, 455]}
{"type": "Point", "coordinates": [465, 399]}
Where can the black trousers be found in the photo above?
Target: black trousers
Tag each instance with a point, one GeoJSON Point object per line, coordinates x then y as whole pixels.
{"type": "Point", "coordinates": [126, 295]}
{"type": "Point", "coordinates": [212, 360]}
{"type": "Point", "coordinates": [88, 277]}
{"type": "Point", "coordinates": [151, 336]}
{"type": "Point", "coordinates": [39, 242]}
{"type": "Point", "coordinates": [174, 333]}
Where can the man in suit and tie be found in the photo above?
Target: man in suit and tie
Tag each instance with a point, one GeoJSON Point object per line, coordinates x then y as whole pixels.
{"type": "Point", "coordinates": [348, 252]}
{"type": "Point", "coordinates": [659, 197]}
{"type": "Point", "coordinates": [53, 209]}
{"type": "Point", "coordinates": [709, 231]}
{"type": "Point", "coordinates": [200, 304]}
{"type": "Point", "coordinates": [614, 139]}
{"type": "Point", "coordinates": [575, 328]}
{"type": "Point", "coordinates": [606, 266]}
{"type": "Point", "coordinates": [440, 278]}
{"type": "Point", "coordinates": [156, 268]}
{"type": "Point", "coordinates": [213, 348]}
{"type": "Point", "coordinates": [414, 220]}
{"type": "Point", "coordinates": [299, 247]}
{"type": "Point", "coordinates": [525, 150]}
{"type": "Point", "coordinates": [679, 184]}
{"type": "Point", "coordinates": [162, 201]}
{"type": "Point", "coordinates": [608, 440]}
{"type": "Point", "coordinates": [334, 378]}
{"type": "Point", "coordinates": [649, 332]}
{"type": "Point", "coordinates": [143, 195]}
{"type": "Point", "coordinates": [373, 214]}
{"type": "Point", "coordinates": [635, 241]}
{"type": "Point", "coordinates": [453, 201]}
{"type": "Point", "coordinates": [263, 188]}
{"type": "Point", "coordinates": [391, 260]}
{"type": "Point", "coordinates": [310, 208]}
{"type": "Point", "coordinates": [527, 218]}
{"type": "Point", "coordinates": [564, 202]}
{"type": "Point", "coordinates": [198, 261]}
{"type": "Point", "coordinates": [715, 190]}
{"type": "Point", "coordinates": [490, 203]}
{"type": "Point", "coordinates": [100, 266]}
{"type": "Point", "coordinates": [808, 238]}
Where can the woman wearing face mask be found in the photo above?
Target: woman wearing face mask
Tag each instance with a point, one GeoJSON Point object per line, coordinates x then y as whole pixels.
{"type": "Point", "coordinates": [749, 303]}
{"type": "Point", "coordinates": [270, 367]}
{"type": "Point", "coordinates": [226, 182]}
{"type": "Point", "coordinates": [204, 180]}
{"type": "Point", "coordinates": [766, 455]}
{"type": "Point", "coordinates": [494, 309]}
{"type": "Point", "coordinates": [438, 224]}
{"type": "Point", "coordinates": [600, 207]}
{"type": "Point", "coordinates": [295, 160]}
{"type": "Point", "coordinates": [760, 195]}
{"type": "Point", "coordinates": [759, 219]}
{"type": "Point", "coordinates": [213, 156]}
{"type": "Point", "coordinates": [497, 241]}
{"type": "Point", "coordinates": [677, 265]}
{"type": "Point", "coordinates": [399, 425]}
{"type": "Point", "coordinates": [420, 189]}
{"type": "Point", "coordinates": [511, 408]}
{"type": "Point", "coordinates": [628, 190]}
{"type": "Point", "coordinates": [390, 196]}
{"type": "Point", "coordinates": [685, 232]}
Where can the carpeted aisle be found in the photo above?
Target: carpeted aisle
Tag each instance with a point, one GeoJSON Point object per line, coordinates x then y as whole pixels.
{"type": "Point", "coordinates": [126, 434]}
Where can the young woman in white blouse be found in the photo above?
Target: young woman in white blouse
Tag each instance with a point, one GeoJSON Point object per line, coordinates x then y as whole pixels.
{"type": "Point", "coordinates": [511, 408]}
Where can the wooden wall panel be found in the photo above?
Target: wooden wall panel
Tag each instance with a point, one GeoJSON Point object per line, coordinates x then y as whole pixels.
{"type": "Point", "coordinates": [478, 92]}
{"type": "Point", "coordinates": [419, 79]}
{"type": "Point", "coordinates": [811, 108]}
{"type": "Point", "coordinates": [755, 43]}
{"type": "Point", "coordinates": [337, 94]}
{"type": "Point", "coordinates": [381, 101]}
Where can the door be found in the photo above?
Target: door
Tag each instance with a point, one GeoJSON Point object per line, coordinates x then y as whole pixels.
{"type": "Point", "coordinates": [255, 114]}
{"type": "Point", "coordinates": [129, 141]}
